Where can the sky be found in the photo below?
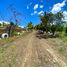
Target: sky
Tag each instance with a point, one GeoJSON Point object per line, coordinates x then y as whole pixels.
{"type": "Point", "coordinates": [31, 9]}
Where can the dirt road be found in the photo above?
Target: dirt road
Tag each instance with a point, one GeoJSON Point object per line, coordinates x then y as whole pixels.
{"type": "Point", "coordinates": [30, 51]}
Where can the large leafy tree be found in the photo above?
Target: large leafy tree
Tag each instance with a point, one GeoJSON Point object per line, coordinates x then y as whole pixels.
{"type": "Point", "coordinates": [45, 20]}
{"type": "Point", "coordinates": [53, 29]}
{"type": "Point", "coordinates": [66, 29]}
{"type": "Point", "coordinates": [40, 27]}
{"type": "Point", "coordinates": [57, 22]}
{"type": "Point", "coordinates": [50, 20]}
{"type": "Point", "coordinates": [58, 17]}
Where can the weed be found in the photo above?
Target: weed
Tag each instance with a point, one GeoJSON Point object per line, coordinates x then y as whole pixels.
{"type": "Point", "coordinates": [10, 65]}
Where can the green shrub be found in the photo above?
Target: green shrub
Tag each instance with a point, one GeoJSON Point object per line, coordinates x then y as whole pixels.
{"type": "Point", "coordinates": [66, 30]}
{"type": "Point", "coordinates": [53, 29]}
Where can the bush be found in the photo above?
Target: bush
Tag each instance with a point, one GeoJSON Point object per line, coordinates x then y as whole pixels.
{"type": "Point", "coordinates": [14, 33]}
{"type": "Point", "coordinates": [60, 28]}
{"type": "Point", "coordinates": [53, 29]}
{"type": "Point", "coordinates": [66, 31]}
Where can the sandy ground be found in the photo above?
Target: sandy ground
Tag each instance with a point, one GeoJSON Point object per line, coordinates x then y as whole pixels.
{"type": "Point", "coordinates": [30, 51]}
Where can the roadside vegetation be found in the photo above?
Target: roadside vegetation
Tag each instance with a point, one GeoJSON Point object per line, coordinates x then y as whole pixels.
{"type": "Point", "coordinates": [55, 31]}
{"type": "Point", "coordinates": [52, 25]}
{"type": "Point", "coordinates": [30, 26]}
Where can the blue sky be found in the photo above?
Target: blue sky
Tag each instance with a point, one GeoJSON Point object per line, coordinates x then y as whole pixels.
{"type": "Point", "coordinates": [31, 9]}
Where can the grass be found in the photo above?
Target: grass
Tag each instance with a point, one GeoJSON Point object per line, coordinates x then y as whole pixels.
{"type": "Point", "coordinates": [10, 65]}
{"type": "Point", "coordinates": [7, 51]}
{"type": "Point", "coordinates": [62, 50]}
{"type": "Point", "coordinates": [11, 39]}
{"type": "Point", "coordinates": [59, 44]}
{"type": "Point", "coordinates": [64, 39]}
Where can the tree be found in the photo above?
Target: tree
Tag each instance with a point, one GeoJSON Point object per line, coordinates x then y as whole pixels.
{"type": "Point", "coordinates": [40, 27]}
{"type": "Point", "coordinates": [60, 28]}
{"type": "Point", "coordinates": [50, 20]}
{"type": "Point", "coordinates": [0, 24]}
{"type": "Point", "coordinates": [30, 26]}
{"type": "Point", "coordinates": [53, 29]}
{"type": "Point", "coordinates": [15, 14]}
{"type": "Point", "coordinates": [58, 18]}
{"type": "Point", "coordinates": [66, 29]}
{"type": "Point", "coordinates": [45, 21]}
{"type": "Point", "coordinates": [14, 18]}
{"type": "Point", "coordinates": [10, 28]}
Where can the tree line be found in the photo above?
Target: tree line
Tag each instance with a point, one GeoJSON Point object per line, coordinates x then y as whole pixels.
{"type": "Point", "coordinates": [50, 23]}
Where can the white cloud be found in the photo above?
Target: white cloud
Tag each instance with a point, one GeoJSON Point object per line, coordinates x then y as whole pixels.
{"type": "Point", "coordinates": [36, 6]}
{"type": "Point", "coordinates": [21, 26]}
{"type": "Point", "coordinates": [28, 6]}
{"type": "Point", "coordinates": [41, 13]}
{"type": "Point", "coordinates": [58, 7]}
{"type": "Point", "coordinates": [41, 6]}
{"type": "Point", "coordinates": [65, 16]}
{"type": "Point", "coordinates": [35, 12]}
{"type": "Point", "coordinates": [6, 22]}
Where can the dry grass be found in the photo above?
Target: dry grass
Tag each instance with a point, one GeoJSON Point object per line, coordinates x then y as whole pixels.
{"type": "Point", "coordinates": [60, 46]}
{"type": "Point", "coordinates": [9, 51]}
{"type": "Point", "coordinates": [11, 39]}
